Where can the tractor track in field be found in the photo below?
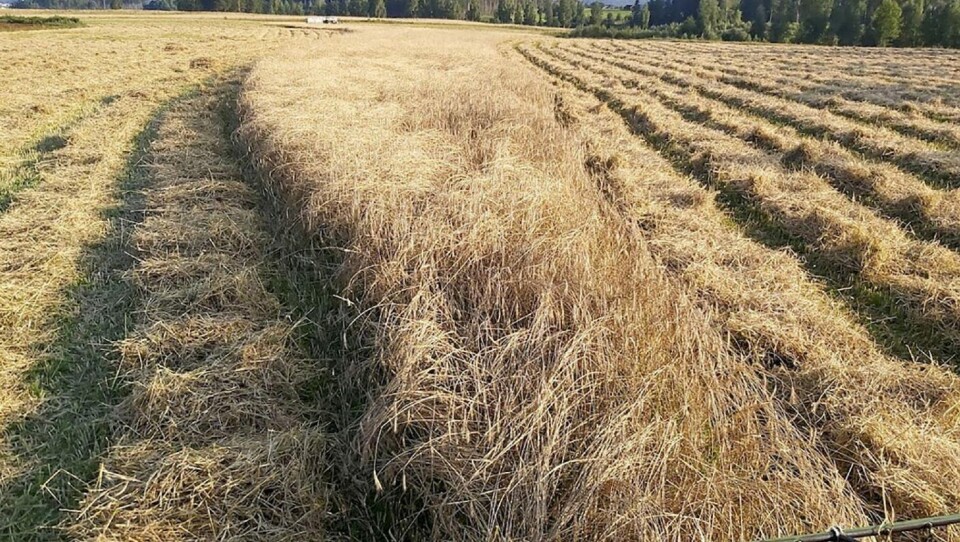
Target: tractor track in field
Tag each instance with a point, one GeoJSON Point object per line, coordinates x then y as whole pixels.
{"type": "Point", "coordinates": [217, 374]}
{"type": "Point", "coordinates": [170, 351]}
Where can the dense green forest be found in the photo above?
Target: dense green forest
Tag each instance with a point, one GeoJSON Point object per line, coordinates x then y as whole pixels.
{"type": "Point", "coordinates": [906, 23]}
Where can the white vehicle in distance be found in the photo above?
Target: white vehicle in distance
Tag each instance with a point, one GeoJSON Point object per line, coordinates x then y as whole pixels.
{"type": "Point", "coordinates": [322, 20]}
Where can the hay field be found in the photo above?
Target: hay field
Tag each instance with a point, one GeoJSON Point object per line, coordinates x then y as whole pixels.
{"type": "Point", "coordinates": [260, 281]}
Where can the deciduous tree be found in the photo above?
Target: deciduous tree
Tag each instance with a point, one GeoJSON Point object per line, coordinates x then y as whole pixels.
{"type": "Point", "coordinates": [530, 15]}
{"type": "Point", "coordinates": [814, 20]}
{"type": "Point", "coordinates": [708, 18]}
{"type": "Point", "coordinates": [910, 24]}
{"type": "Point", "coordinates": [473, 12]}
{"type": "Point", "coordinates": [886, 22]}
{"type": "Point", "coordinates": [503, 11]}
{"type": "Point", "coordinates": [596, 13]}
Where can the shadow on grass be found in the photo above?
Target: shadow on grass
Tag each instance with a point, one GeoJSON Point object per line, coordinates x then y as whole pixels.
{"type": "Point", "coordinates": [303, 275]}
{"type": "Point", "coordinates": [28, 174]}
{"type": "Point", "coordinates": [58, 447]}
{"type": "Point", "coordinates": [894, 327]}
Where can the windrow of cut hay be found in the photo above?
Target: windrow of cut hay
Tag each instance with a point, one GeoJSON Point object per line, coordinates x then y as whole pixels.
{"type": "Point", "coordinates": [923, 277]}
{"type": "Point", "coordinates": [939, 165]}
{"type": "Point", "coordinates": [51, 288]}
{"type": "Point", "coordinates": [903, 116]}
{"type": "Point", "coordinates": [931, 212]}
{"type": "Point", "coordinates": [528, 370]}
{"type": "Point", "coordinates": [891, 425]}
{"type": "Point", "coordinates": [758, 77]}
{"type": "Point", "coordinates": [912, 97]}
{"type": "Point", "coordinates": [213, 442]}
{"type": "Point", "coordinates": [856, 63]}
{"type": "Point", "coordinates": [47, 96]}
{"type": "Point", "coordinates": [914, 81]}
{"type": "Point", "coordinates": [78, 121]}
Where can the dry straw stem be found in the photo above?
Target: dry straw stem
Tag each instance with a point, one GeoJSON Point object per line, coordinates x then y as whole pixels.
{"type": "Point", "coordinates": [214, 442]}
{"type": "Point", "coordinates": [892, 190]}
{"type": "Point", "coordinates": [924, 276]}
{"type": "Point", "coordinates": [532, 372]}
{"type": "Point", "coordinates": [940, 164]}
{"type": "Point", "coordinates": [893, 426]}
{"type": "Point", "coordinates": [247, 488]}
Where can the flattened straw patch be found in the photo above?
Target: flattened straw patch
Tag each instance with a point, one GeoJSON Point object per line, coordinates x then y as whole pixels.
{"type": "Point", "coordinates": [211, 283]}
{"type": "Point", "coordinates": [209, 196]}
{"type": "Point", "coordinates": [226, 229]}
{"type": "Point", "coordinates": [264, 488]}
{"type": "Point", "coordinates": [205, 405]}
{"type": "Point", "coordinates": [204, 340]}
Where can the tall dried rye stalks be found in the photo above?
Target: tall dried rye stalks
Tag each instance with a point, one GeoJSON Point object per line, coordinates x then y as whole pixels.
{"type": "Point", "coordinates": [532, 373]}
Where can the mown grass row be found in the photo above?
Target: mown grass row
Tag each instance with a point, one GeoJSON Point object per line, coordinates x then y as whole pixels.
{"type": "Point", "coordinates": [761, 79]}
{"type": "Point", "coordinates": [890, 323]}
{"type": "Point", "coordinates": [840, 237]}
{"type": "Point", "coordinates": [15, 22]}
{"type": "Point", "coordinates": [28, 164]}
{"type": "Point", "coordinates": [921, 92]}
{"type": "Point", "coordinates": [940, 168]}
{"type": "Point", "coordinates": [215, 441]}
{"type": "Point", "coordinates": [930, 213]}
{"type": "Point", "coordinates": [923, 70]}
{"type": "Point", "coordinates": [776, 312]}
{"type": "Point", "coordinates": [63, 293]}
{"type": "Point", "coordinates": [912, 118]}
{"type": "Point", "coordinates": [936, 165]}
{"type": "Point", "coordinates": [62, 300]}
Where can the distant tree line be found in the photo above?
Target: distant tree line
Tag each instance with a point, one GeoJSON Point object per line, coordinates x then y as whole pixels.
{"type": "Point", "coordinates": [905, 23]}
{"type": "Point", "coordinates": [559, 13]}
{"type": "Point", "coordinates": [69, 4]}
{"type": "Point", "coordinates": [841, 22]}
{"type": "Point", "coordinates": [441, 9]}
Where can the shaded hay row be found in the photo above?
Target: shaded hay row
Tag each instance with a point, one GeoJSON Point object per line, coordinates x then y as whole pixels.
{"type": "Point", "coordinates": [759, 78]}
{"type": "Point", "coordinates": [45, 240]}
{"type": "Point", "coordinates": [906, 101]}
{"type": "Point", "coordinates": [939, 166]}
{"type": "Point", "coordinates": [932, 212]}
{"type": "Point", "coordinates": [70, 130]}
{"type": "Point", "coordinates": [214, 442]}
{"type": "Point", "coordinates": [913, 81]}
